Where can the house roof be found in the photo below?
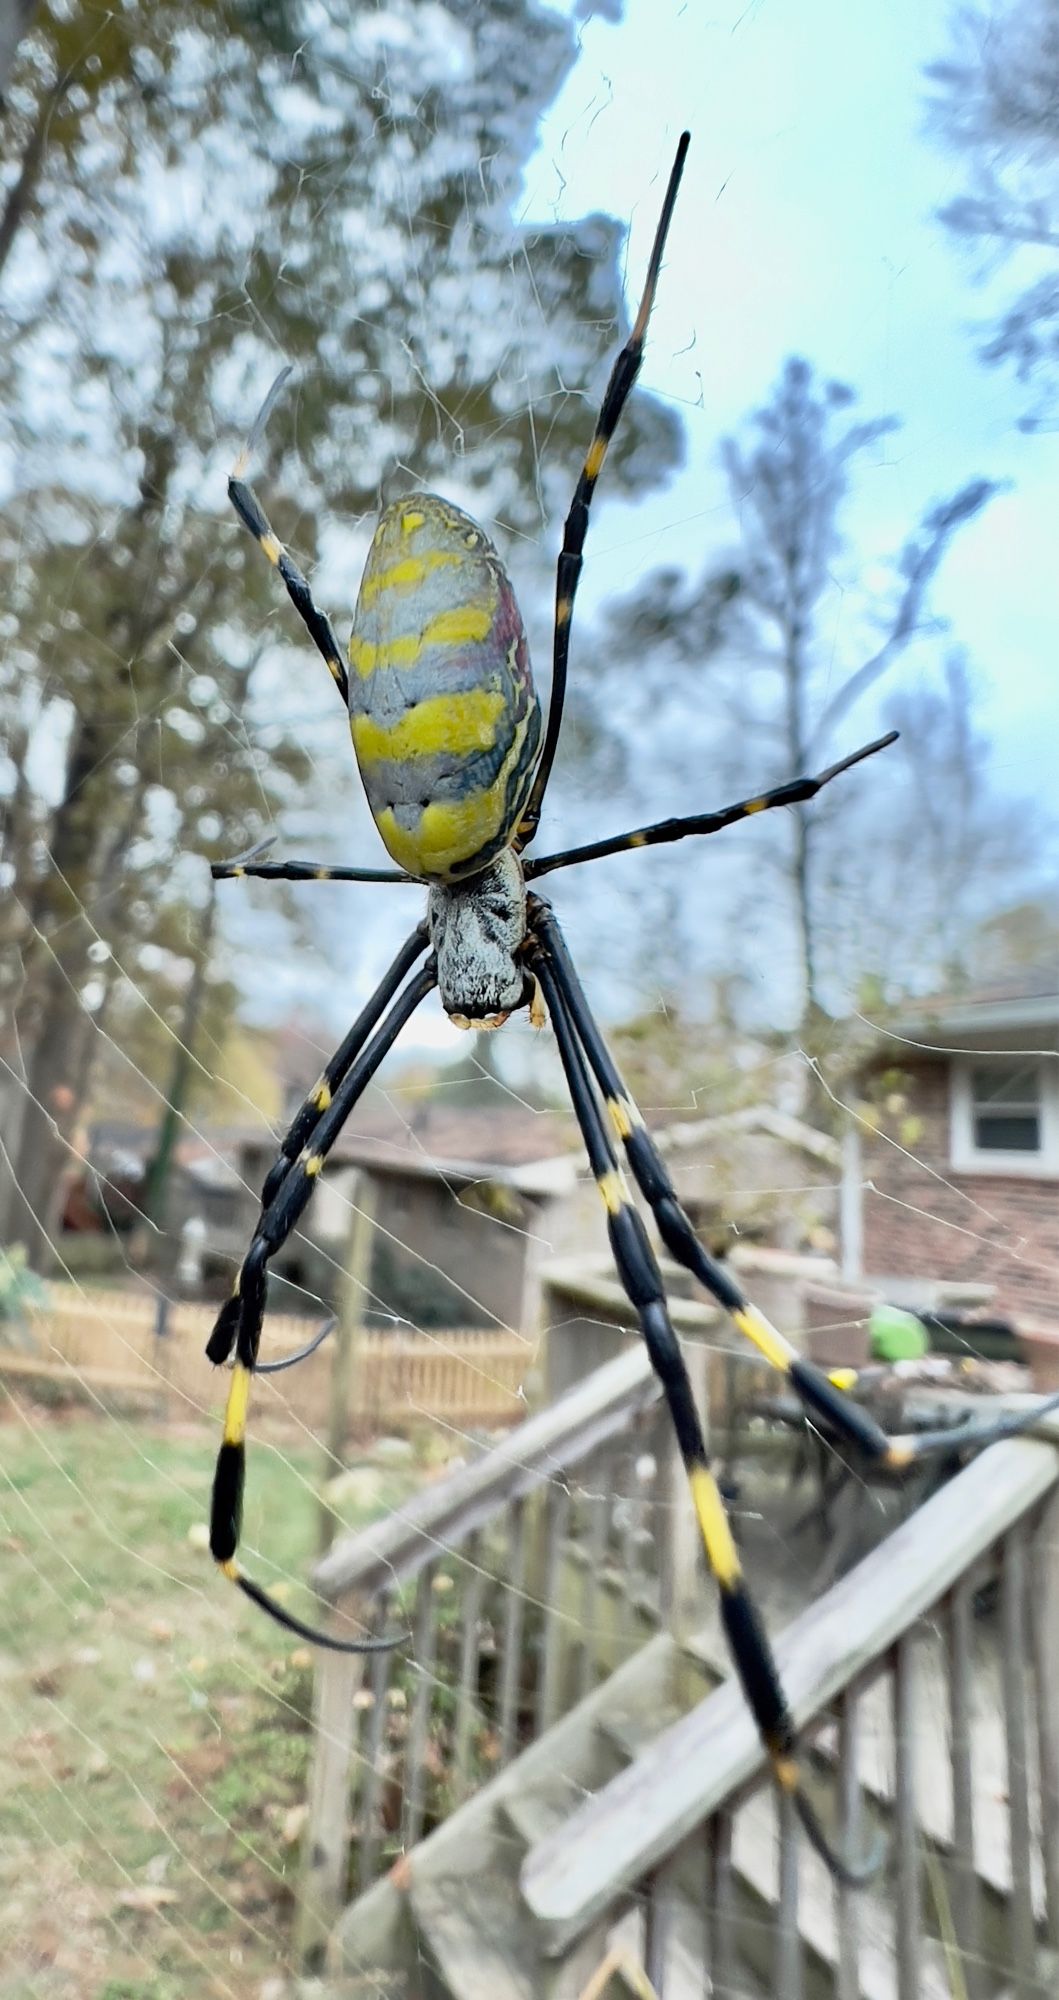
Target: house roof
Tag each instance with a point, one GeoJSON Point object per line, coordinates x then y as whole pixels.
{"type": "Point", "coordinates": [1016, 1011]}
{"type": "Point", "coordinates": [507, 1141]}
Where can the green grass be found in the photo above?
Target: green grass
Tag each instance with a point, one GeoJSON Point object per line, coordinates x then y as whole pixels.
{"type": "Point", "coordinates": [153, 1725]}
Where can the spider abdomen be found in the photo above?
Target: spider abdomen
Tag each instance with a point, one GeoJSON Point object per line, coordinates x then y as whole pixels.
{"type": "Point", "coordinates": [443, 710]}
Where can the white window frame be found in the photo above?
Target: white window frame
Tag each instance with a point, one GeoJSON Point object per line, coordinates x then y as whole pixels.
{"type": "Point", "coordinates": [966, 1157]}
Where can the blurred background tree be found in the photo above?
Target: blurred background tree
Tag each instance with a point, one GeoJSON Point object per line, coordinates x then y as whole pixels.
{"type": "Point", "coordinates": [770, 664]}
{"type": "Point", "coordinates": [190, 198]}
{"type": "Point", "coordinates": [995, 102]}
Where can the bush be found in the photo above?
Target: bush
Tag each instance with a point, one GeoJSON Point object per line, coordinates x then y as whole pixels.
{"type": "Point", "coordinates": [20, 1292]}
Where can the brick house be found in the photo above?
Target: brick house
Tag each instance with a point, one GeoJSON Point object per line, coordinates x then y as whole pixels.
{"type": "Point", "coordinates": [960, 1188]}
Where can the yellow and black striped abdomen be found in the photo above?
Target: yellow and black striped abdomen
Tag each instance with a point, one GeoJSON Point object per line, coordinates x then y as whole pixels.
{"type": "Point", "coordinates": [443, 710]}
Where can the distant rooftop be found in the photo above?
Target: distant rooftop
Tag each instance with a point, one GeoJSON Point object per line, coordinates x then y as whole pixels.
{"type": "Point", "coordinates": [1015, 1009]}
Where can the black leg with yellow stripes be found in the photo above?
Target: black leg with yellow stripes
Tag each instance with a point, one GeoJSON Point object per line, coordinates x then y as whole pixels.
{"type": "Point", "coordinates": [794, 793]}
{"type": "Point", "coordinates": [301, 1136]}
{"type": "Point", "coordinates": [828, 1404]}
{"type": "Point", "coordinates": [253, 863]}
{"type": "Point", "coordinates": [240, 1320]}
{"type": "Point", "coordinates": [816, 1390]}
{"type": "Point", "coordinates": [253, 516]}
{"type": "Point", "coordinates": [642, 1280]}
{"type": "Point", "coordinates": [571, 556]}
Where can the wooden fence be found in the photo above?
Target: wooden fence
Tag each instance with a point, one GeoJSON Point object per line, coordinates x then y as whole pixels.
{"type": "Point", "coordinates": [101, 1344]}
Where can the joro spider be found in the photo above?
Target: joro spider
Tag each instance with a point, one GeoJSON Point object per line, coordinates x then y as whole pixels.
{"type": "Point", "coordinates": [446, 726]}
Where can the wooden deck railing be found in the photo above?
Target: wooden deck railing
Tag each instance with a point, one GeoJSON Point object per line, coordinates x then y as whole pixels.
{"type": "Point", "coordinates": [881, 1670]}
{"type": "Point", "coordinates": [505, 1636]}
{"type": "Point", "coordinates": [524, 1579]}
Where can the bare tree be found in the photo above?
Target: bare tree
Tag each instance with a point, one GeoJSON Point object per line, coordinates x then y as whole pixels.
{"type": "Point", "coordinates": [996, 101]}
{"type": "Point", "coordinates": [789, 484]}
{"type": "Point", "coordinates": [764, 619]}
{"type": "Point", "coordinates": [912, 888]}
{"type": "Point", "coordinates": [15, 17]}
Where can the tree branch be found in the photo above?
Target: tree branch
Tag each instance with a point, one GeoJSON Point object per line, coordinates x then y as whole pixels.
{"type": "Point", "coordinates": [21, 191]}
{"type": "Point", "coordinates": [919, 564]}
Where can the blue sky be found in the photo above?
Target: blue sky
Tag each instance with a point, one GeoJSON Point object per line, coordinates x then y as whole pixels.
{"type": "Point", "coordinates": [807, 223]}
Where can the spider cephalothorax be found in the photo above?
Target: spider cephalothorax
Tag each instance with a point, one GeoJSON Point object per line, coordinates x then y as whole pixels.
{"type": "Point", "coordinates": [446, 726]}
{"type": "Point", "coordinates": [477, 929]}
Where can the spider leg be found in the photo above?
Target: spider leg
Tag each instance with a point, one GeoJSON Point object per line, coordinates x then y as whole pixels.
{"type": "Point", "coordinates": [795, 792]}
{"type": "Point", "coordinates": [301, 1135]}
{"type": "Point", "coordinates": [823, 1398]}
{"type": "Point", "coordinates": [815, 1388]}
{"type": "Point", "coordinates": [253, 516]}
{"type": "Point", "coordinates": [642, 1280]}
{"type": "Point", "coordinates": [975, 1435]}
{"type": "Point", "coordinates": [571, 556]}
{"type": "Point", "coordinates": [244, 865]}
{"type": "Point", "coordinates": [243, 1314]}
{"type": "Point", "coordinates": [301, 1354]}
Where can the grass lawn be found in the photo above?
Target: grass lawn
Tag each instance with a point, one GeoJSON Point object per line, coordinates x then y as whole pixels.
{"type": "Point", "coordinates": [153, 1724]}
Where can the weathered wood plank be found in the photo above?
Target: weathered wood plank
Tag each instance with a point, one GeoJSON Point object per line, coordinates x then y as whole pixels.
{"type": "Point", "coordinates": [473, 1582]}
{"type": "Point", "coordinates": [514, 1605]}
{"type": "Point", "coordinates": [371, 1787]}
{"type": "Point", "coordinates": [624, 1533]}
{"type": "Point", "coordinates": [444, 1515]}
{"type": "Point", "coordinates": [788, 1937]}
{"type": "Point", "coordinates": [476, 1934]}
{"type": "Point", "coordinates": [556, 1513]}
{"type": "Point", "coordinates": [1044, 1602]}
{"type": "Point", "coordinates": [672, 1929]}
{"type": "Point", "coordinates": [1013, 1638]}
{"type": "Point", "coordinates": [964, 1887]}
{"type": "Point", "coordinates": [596, 1543]}
{"type": "Point", "coordinates": [624, 1832]}
{"type": "Point", "coordinates": [720, 1943]}
{"type": "Point", "coordinates": [424, 1638]}
{"type": "Point", "coordinates": [335, 1720]}
{"type": "Point", "coordinates": [847, 1913]}
{"type": "Point", "coordinates": [908, 1918]}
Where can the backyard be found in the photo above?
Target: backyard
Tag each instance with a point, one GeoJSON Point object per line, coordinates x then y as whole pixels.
{"type": "Point", "coordinates": [153, 1726]}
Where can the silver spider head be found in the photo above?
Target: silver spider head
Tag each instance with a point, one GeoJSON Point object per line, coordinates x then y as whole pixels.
{"type": "Point", "coordinates": [477, 929]}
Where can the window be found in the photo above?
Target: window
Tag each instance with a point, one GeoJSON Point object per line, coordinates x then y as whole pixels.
{"type": "Point", "coordinates": [1006, 1108]}
{"type": "Point", "coordinates": [1005, 1115]}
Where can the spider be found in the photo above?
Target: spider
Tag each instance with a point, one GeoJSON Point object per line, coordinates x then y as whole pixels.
{"type": "Point", "coordinates": [447, 731]}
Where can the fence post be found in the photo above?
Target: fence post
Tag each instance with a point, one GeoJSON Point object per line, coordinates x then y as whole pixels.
{"type": "Point", "coordinates": [322, 1891]}
{"type": "Point", "coordinates": [851, 1207]}
{"type": "Point", "coordinates": [162, 1354]}
{"type": "Point", "coordinates": [346, 1353]}
{"type": "Point", "coordinates": [1044, 1600]}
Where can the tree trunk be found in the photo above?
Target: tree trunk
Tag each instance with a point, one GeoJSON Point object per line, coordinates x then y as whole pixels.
{"type": "Point", "coordinates": [156, 1180]}
{"type": "Point", "coordinates": [49, 1019]}
{"type": "Point", "coordinates": [56, 962]}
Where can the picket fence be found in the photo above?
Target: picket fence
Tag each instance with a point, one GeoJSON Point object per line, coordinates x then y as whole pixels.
{"type": "Point", "coordinates": [102, 1344]}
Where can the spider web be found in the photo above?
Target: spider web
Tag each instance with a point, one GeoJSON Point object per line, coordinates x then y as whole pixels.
{"type": "Point", "coordinates": [157, 1733]}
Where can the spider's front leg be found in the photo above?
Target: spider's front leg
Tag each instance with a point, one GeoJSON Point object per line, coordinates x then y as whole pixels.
{"type": "Point", "coordinates": [240, 1320]}
{"type": "Point", "coordinates": [253, 516]}
{"type": "Point", "coordinates": [301, 1138]}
